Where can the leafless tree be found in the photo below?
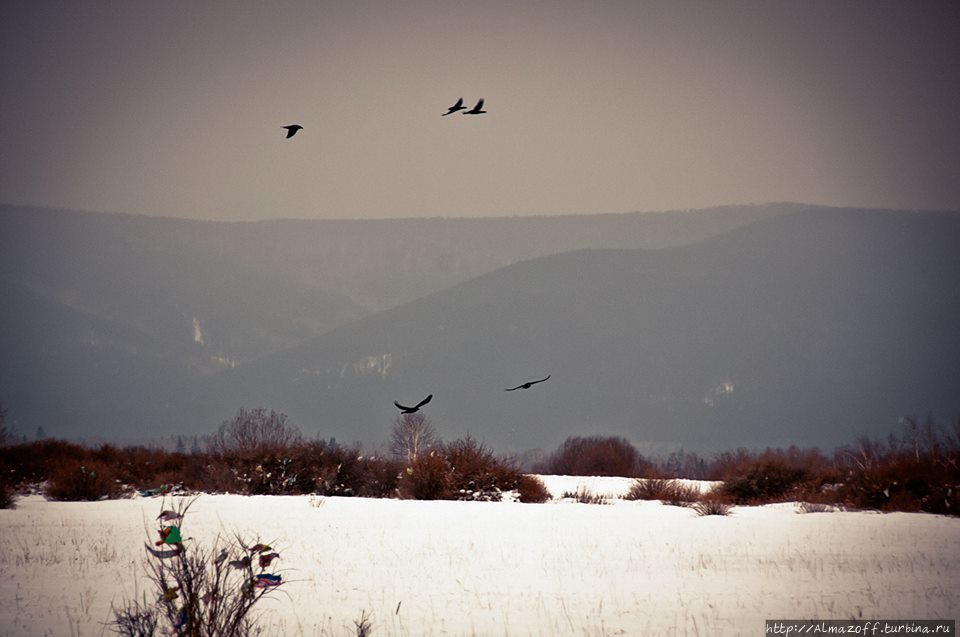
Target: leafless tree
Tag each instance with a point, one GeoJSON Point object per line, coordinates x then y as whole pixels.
{"type": "Point", "coordinates": [412, 435]}
{"type": "Point", "coordinates": [254, 431]}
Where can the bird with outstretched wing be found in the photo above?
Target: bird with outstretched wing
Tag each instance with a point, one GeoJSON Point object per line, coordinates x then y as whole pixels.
{"type": "Point", "coordinates": [412, 410]}
{"type": "Point", "coordinates": [456, 107]}
{"type": "Point", "coordinates": [292, 129]}
{"type": "Point", "coordinates": [476, 110]}
{"type": "Point", "coordinates": [528, 385]}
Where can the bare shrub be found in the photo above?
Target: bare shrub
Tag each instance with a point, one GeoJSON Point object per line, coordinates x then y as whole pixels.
{"type": "Point", "coordinates": [728, 463]}
{"type": "Point", "coordinates": [464, 469]}
{"type": "Point", "coordinates": [7, 474]}
{"type": "Point", "coordinates": [682, 495]}
{"type": "Point", "coordinates": [584, 495]}
{"type": "Point", "coordinates": [918, 470]}
{"type": "Point", "coordinates": [257, 448]}
{"type": "Point", "coordinates": [315, 467]}
{"type": "Point", "coordinates": [331, 469]}
{"type": "Point", "coordinates": [7, 492]}
{"type": "Point", "coordinates": [136, 619]}
{"type": "Point", "coordinates": [33, 462]}
{"type": "Point", "coordinates": [671, 492]}
{"type": "Point", "coordinates": [712, 506]}
{"type": "Point", "coordinates": [532, 489]}
{"type": "Point", "coordinates": [201, 591]}
{"type": "Point", "coordinates": [144, 467]}
{"type": "Point", "coordinates": [78, 480]}
{"type": "Point", "coordinates": [595, 456]}
{"type": "Point", "coordinates": [648, 489]}
{"type": "Point", "coordinates": [476, 474]}
{"type": "Point", "coordinates": [428, 478]}
{"type": "Point", "coordinates": [213, 474]}
{"type": "Point", "coordinates": [765, 479]}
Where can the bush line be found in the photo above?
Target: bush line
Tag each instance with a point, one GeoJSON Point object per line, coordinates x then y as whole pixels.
{"type": "Point", "coordinates": [258, 453]}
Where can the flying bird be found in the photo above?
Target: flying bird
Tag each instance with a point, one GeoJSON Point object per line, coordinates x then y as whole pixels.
{"type": "Point", "coordinates": [412, 410]}
{"type": "Point", "coordinates": [292, 129]}
{"type": "Point", "coordinates": [528, 385]}
{"type": "Point", "coordinates": [476, 110]}
{"type": "Point", "coordinates": [456, 107]}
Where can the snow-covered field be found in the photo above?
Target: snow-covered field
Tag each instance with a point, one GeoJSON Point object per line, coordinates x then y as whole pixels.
{"type": "Point", "coordinates": [472, 568]}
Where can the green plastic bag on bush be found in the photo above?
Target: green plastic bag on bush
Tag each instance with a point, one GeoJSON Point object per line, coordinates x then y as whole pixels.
{"type": "Point", "coordinates": [172, 536]}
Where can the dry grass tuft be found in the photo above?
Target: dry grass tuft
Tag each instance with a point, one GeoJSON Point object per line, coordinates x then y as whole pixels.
{"type": "Point", "coordinates": [584, 495]}
{"type": "Point", "coordinates": [712, 507]}
{"type": "Point", "coordinates": [671, 492]}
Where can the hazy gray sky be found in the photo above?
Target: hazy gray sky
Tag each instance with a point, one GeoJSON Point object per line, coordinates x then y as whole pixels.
{"type": "Point", "coordinates": [175, 108]}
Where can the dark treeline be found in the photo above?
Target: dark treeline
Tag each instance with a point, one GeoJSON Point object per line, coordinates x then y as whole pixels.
{"type": "Point", "coordinates": [257, 452]}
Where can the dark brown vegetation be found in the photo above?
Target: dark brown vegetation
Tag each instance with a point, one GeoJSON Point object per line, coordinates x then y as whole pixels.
{"type": "Point", "coordinates": [916, 470]}
{"type": "Point", "coordinates": [257, 452]}
{"type": "Point", "coordinates": [583, 495]}
{"type": "Point", "coordinates": [461, 470]}
{"type": "Point", "coordinates": [712, 506]}
{"type": "Point", "coordinates": [595, 456]}
{"type": "Point", "coordinates": [253, 453]}
{"type": "Point", "coordinates": [6, 481]}
{"type": "Point", "coordinates": [672, 492]}
{"type": "Point", "coordinates": [531, 489]}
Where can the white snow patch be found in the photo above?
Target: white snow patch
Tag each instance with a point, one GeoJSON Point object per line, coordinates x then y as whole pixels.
{"type": "Point", "coordinates": [606, 486]}
{"type": "Point", "coordinates": [468, 568]}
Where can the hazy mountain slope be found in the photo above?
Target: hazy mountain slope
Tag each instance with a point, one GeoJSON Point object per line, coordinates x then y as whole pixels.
{"type": "Point", "coordinates": [247, 289]}
{"type": "Point", "coordinates": [172, 279]}
{"type": "Point", "coordinates": [195, 297]}
{"type": "Point", "coordinates": [62, 368]}
{"type": "Point", "coordinates": [812, 328]}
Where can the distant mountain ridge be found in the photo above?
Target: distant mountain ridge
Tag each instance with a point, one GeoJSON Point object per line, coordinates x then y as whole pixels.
{"type": "Point", "coordinates": [221, 294]}
{"type": "Point", "coordinates": [812, 328]}
{"type": "Point", "coordinates": [753, 326]}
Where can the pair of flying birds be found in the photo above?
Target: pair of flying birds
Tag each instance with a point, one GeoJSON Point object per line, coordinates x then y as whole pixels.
{"type": "Point", "coordinates": [293, 129]}
{"type": "Point", "coordinates": [404, 409]}
{"type": "Point", "coordinates": [476, 110]}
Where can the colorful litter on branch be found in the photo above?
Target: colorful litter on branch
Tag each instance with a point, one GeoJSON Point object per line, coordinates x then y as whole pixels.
{"type": "Point", "coordinates": [203, 591]}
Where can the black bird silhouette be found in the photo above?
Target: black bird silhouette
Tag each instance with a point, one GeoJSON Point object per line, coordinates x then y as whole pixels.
{"type": "Point", "coordinates": [412, 410]}
{"type": "Point", "coordinates": [456, 107]}
{"type": "Point", "coordinates": [292, 129]}
{"type": "Point", "coordinates": [476, 110]}
{"type": "Point", "coordinates": [528, 385]}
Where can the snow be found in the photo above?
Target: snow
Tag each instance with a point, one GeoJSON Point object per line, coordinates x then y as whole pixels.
{"type": "Point", "coordinates": [477, 568]}
{"type": "Point", "coordinates": [606, 486]}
